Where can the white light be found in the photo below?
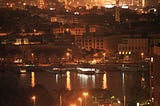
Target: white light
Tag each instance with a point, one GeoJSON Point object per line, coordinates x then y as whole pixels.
{"type": "Point", "coordinates": [137, 104]}
{"type": "Point", "coordinates": [119, 102]}
{"type": "Point", "coordinates": [76, 13]}
{"type": "Point", "coordinates": [124, 7]}
{"type": "Point", "coordinates": [87, 69]}
{"type": "Point", "coordinates": [109, 6]}
{"type": "Point", "coordinates": [52, 8]}
{"type": "Point", "coordinates": [151, 59]}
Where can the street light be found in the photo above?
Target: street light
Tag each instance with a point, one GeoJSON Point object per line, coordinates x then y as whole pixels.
{"type": "Point", "coordinates": [80, 101]}
{"type": "Point", "coordinates": [85, 94]}
{"type": "Point", "coordinates": [32, 57]}
{"type": "Point", "coordinates": [142, 56]}
{"type": "Point", "coordinates": [104, 55]}
{"type": "Point", "coordinates": [34, 100]}
{"type": "Point", "coordinates": [68, 55]}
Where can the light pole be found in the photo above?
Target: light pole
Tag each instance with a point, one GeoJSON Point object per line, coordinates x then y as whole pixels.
{"type": "Point", "coordinates": [142, 56]}
{"type": "Point", "coordinates": [34, 100]}
{"type": "Point", "coordinates": [85, 94]}
{"type": "Point", "coordinates": [68, 55]}
{"type": "Point", "coordinates": [32, 56]}
{"type": "Point", "coordinates": [80, 101]}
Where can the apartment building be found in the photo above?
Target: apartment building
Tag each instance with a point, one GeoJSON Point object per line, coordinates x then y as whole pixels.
{"type": "Point", "coordinates": [74, 30]}
{"type": "Point", "coordinates": [137, 47]}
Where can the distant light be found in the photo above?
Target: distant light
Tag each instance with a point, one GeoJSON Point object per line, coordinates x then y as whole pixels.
{"type": "Point", "coordinates": [52, 9]}
{"type": "Point", "coordinates": [87, 69]}
{"type": "Point", "coordinates": [137, 104]}
{"type": "Point", "coordinates": [24, 4]}
{"type": "Point", "coordinates": [152, 9]}
{"type": "Point", "coordinates": [118, 102]}
{"type": "Point", "coordinates": [124, 7]}
{"type": "Point", "coordinates": [67, 11]}
{"type": "Point", "coordinates": [151, 59]}
{"type": "Point", "coordinates": [76, 13]}
{"type": "Point", "coordinates": [112, 97]}
{"type": "Point", "coordinates": [109, 6]}
{"type": "Point", "coordinates": [33, 97]}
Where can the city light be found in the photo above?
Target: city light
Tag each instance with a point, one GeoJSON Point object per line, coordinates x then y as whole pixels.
{"type": "Point", "coordinates": [80, 101]}
{"type": "Point", "coordinates": [80, 52]}
{"type": "Point", "coordinates": [34, 100]}
{"type": "Point", "coordinates": [85, 94]}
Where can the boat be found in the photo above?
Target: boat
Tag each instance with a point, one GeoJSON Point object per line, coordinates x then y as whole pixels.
{"type": "Point", "coordinates": [23, 71]}
{"type": "Point", "coordinates": [88, 70]}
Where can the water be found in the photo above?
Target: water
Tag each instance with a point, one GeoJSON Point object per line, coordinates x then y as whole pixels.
{"type": "Point", "coordinates": [118, 82]}
{"type": "Point", "coordinates": [113, 81]}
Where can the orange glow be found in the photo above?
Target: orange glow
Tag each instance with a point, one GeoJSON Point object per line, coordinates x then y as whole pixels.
{"type": "Point", "coordinates": [67, 54]}
{"type": "Point", "coordinates": [85, 93]}
{"type": "Point", "coordinates": [104, 81]}
{"type": "Point", "coordinates": [32, 79]}
{"type": "Point", "coordinates": [80, 99]}
{"type": "Point", "coordinates": [33, 97]}
{"type": "Point", "coordinates": [68, 81]}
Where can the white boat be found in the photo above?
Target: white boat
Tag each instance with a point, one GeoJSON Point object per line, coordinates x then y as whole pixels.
{"type": "Point", "coordinates": [86, 70]}
{"type": "Point", "coordinates": [22, 71]}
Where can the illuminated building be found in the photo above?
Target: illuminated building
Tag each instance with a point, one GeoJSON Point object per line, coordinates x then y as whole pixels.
{"type": "Point", "coordinates": [89, 42]}
{"type": "Point", "coordinates": [134, 47]}
{"type": "Point", "coordinates": [41, 4]}
{"type": "Point", "coordinates": [78, 30]}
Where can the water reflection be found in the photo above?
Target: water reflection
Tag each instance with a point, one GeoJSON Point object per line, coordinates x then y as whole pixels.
{"type": "Point", "coordinates": [104, 86]}
{"type": "Point", "coordinates": [57, 78]}
{"type": "Point", "coordinates": [86, 81]}
{"type": "Point", "coordinates": [68, 81]}
{"type": "Point", "coordinates": [114, 81]}
{"type": "Point", "coordinates": [23, 79]}
{"type": "Point", "coordinates": [32, 79]}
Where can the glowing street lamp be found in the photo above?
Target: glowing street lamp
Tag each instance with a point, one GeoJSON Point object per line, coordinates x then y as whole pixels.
{"type": "Point", "coordinates": [68, 55]}
{"type": "Point", "coordinates": [104, 55]}
{"type": "Point", "coordinates": [85, 94]}
{"type": "Point", "coordinates": [34, 100]}
{"type": "Point", "coordinates": [80, 101]}
{"type": "Point", "coordinates": [142, 55]}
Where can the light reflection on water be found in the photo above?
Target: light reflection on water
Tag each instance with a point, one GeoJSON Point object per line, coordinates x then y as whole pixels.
{"type": "Point", "coordinates": [32, 79]}
{"type": "Point", "coordinates": [104, 81]}
{"type": "Point", "coordinates": [71, 80]}
{"type": "Point", "coordinates": [68, 81]}
{"type": "Point", "coordinates": [86, 81]}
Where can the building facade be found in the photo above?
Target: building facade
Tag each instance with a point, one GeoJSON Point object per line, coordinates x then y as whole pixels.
{"type": "Point", "coordinates": [136, 47]}
{"type": "Point", "coordinates": [89, 42]}
{"type": "Point", "coordinates": [155, 84]}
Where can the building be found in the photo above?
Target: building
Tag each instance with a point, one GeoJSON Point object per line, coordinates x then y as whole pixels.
{"type": "Point", "coordinates": [135, 47]}
{"type": "Point", "coordinates": [89, 42]}
{"type": "Point", "coordinates": [155, 84]}
{"type": "Point", "coordinates": [99, 41]}
{"type": "Point", "coordinates": [74, 30]}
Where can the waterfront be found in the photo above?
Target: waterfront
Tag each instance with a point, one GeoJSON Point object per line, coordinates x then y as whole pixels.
{"type": "Point", "coordinates": [117, 82]}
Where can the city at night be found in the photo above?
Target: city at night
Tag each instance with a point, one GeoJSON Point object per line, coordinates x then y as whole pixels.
{"type": "Point", "coordinates": [79, 52]}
